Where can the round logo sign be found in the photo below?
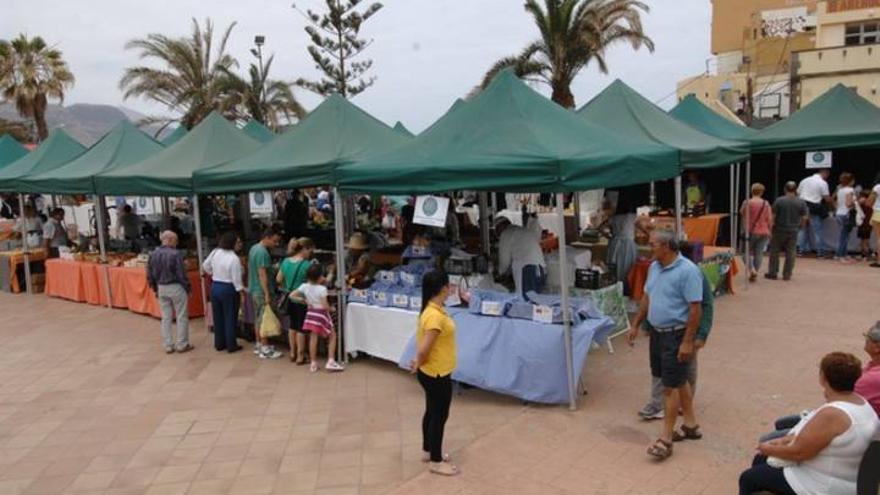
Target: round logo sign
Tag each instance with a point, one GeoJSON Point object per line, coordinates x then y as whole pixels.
{"type": "Point", "coordinates": [818, 157]}
{"type": "Point", "coordinates": [259, 198]}
{"type": "Point", "coordinates": [429, 207]}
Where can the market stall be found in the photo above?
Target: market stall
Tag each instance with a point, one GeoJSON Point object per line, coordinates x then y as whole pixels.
{"type": "Point", "coordinates": [622, 109]}
{"type": "Point", "coordinates": [509, 138]}
{"type": "Point", "coordinates": [83, 281]}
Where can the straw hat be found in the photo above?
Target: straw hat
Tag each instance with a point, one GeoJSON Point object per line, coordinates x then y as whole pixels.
{"type": "Point", "coordinates": [358, 241]}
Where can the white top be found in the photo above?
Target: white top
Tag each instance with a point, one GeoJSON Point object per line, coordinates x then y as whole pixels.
{"type": "Point", "coordinates": [876, 192]}
{"type": "Point", "coordinates": [842, 193]}
{"type": "Point", "coordinates": [314, 294]}
{"type": "Point", "coordinates": [30, 224]}
{"type": "Point", "coordinates": [835, 469]}
{"type": "Point", "coordinates": [519, 247]}
{"type": "Point", "coordinates": [813, 189]}
{"type": "Point", "coordinates": [224, 266]}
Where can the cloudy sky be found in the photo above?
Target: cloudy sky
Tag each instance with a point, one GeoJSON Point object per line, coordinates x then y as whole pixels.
{"type": "Point", "coordinates": [426, 52]}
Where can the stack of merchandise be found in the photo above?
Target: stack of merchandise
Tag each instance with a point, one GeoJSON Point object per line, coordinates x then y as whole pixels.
{"type": "Point", "coordinates": [398, 288]}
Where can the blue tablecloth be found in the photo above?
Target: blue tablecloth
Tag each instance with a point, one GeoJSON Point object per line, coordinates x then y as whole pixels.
{"type": "Point", "coordinates": [516, 357]}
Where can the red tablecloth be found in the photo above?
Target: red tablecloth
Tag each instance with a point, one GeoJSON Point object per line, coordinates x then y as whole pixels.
{"type": "Point", "coordinates": [638, 274]}
{"type": "Point", "coordinates": [84, 282]}
{"type": "Point", "coordinates": [704, 228]}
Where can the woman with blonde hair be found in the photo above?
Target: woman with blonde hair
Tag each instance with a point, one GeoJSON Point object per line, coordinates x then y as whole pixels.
{"type": "Point", "coordinates": [291, 275]}
{"type": "Point", "coordinates": [760, 223]}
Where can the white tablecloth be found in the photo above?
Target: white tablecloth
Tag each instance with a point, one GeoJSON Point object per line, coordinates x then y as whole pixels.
{"type": "Point", "coordinates": [380, 332]}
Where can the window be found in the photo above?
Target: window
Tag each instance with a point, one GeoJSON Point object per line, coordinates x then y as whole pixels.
{"type": "Point", "coordinates": [862, 34]}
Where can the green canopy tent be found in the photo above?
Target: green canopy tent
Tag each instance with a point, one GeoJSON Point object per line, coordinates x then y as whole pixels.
{"type": "Point", "coordinates": [10, 150]}
{"type": "Point", "coordinates": [399, 127]}
{"type": "Point", "coordinates": [335, 133]}
{"type": "Point", "coordinates": [621, 109]}
{"type": "Point", "coordinates": [124, 145]}
{"type": "Point", "coordinates": [838, 119]}
{"type": "Point", "coordinates": [169, 172]}
{"type": "Point", "coordinates": [58, 149]}
{"type": "Point", "coordinates": [510, 138]}
{"type": "Point", "coordinates": [174, 137]}
{"type": "Point", "coordinates": [258, 131]}
{"type": "Point", "coordinates": [694, 113]}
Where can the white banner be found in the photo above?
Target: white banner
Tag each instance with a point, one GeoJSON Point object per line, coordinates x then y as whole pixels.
{"type": "Point", "coordinates": [819, 159]}
{"type": "Point", "coordinates": [431, 211]}
{"type": "Point", "coordinates": [261, 203]}
{"type": "Point", "coordinates": [144, 206]}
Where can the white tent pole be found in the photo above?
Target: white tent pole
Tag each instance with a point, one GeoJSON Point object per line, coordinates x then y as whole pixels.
{"type": "Point", "coordinates": [746, 221]}
{"type": "Point", "coordinates": [338, 227]}
{"type": "Point", "coordinates": [566, 310]}
{"type": "Point", "coordinates": [484, 222]}
{"type": "Point", "coordinates": [24, 247]}
{"type": "Point", "coordinates": [199, 253]}
{"type": "Point", "coordinates": [737, 218]}
{"type": "Point", "coordinates": [679, 229]}
{"type": "Point", "coordinates": [733, 207]}
{"type": "Point", "coordinates": [102, 246]}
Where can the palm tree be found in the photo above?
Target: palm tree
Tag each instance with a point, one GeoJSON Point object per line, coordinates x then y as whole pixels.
{"type": "Point", "coordinates": [31, 74]}
{"type": "Point", "coordinates": [268, 101]}
{"type": "Point", "coordinates": [573, 34]}
{"type": "Point", "coordinates": [194, 81]}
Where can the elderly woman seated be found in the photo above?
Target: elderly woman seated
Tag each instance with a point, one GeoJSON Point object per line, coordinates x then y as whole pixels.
{"type": "Point", "coordinates": [821, 454]}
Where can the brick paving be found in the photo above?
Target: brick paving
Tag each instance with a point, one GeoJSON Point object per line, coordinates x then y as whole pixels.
{"type": "Point", "coordinates": [89, 403]}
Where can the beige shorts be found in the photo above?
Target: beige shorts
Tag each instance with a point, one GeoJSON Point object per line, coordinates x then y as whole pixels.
{"type": "Point", "coordinates": [875, 219]}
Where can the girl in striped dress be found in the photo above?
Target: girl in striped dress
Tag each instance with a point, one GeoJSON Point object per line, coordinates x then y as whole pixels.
{"type": "Point", "coordinates": [318, 321]}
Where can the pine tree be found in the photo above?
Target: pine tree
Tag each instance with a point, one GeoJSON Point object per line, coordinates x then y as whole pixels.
{"type": "Point", "coordinates": [335, 45]}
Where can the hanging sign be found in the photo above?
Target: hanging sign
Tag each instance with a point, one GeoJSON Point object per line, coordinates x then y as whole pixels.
{"type": "Point", "coordinates": [144, 206]}
{"type": "Point", "coordinates": [431, 211]}
{"type": "Point", "coordinates": [261, 203]}
{"type": "Point", "coordinates": [818, 159]}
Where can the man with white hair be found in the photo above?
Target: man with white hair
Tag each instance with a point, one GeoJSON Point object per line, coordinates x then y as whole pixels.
{"type": "Point", "coordinates": [519, 251]}
{"type": "Point", "coordinates": [167, 277]}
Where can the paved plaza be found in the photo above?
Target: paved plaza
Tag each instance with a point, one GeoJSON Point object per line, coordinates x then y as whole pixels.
{"type": "Point", "coordinates": [89, 403]}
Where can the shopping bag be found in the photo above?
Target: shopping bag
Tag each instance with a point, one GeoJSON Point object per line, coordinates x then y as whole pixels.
{"type": "Point", "coordinates": [269, 326]}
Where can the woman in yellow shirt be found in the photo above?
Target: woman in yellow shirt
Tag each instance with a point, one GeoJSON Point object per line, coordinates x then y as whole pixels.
{"type": "Point", "coordinates": [434, 364]}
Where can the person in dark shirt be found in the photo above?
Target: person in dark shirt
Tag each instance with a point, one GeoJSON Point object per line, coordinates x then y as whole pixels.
{"type": "Point", "coordinates": [789, 215]}
{"type": "Point", "coordinates": [166, 275]}
{"type": "Point", "coordinates": [296, 216]}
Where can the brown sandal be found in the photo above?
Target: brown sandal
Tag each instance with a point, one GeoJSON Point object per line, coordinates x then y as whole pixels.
{"type": "Point", "coordinates": [661, 449]}
{"type": "Point", "coordinates": [687, 433]}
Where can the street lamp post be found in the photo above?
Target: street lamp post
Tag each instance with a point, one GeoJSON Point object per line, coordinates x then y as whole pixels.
{"type": "Point", "coordinates": [259, 40]}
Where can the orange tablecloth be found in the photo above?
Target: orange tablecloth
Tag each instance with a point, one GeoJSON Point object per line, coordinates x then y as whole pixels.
{"type": "Point", "coordinates": [84, 282]}
{"type": "Point", "coordinates": [704, 228]}
{"type": "Point", "coordinates": [18, 259]}
{"type": "Point", "coordinates": [638, 275]}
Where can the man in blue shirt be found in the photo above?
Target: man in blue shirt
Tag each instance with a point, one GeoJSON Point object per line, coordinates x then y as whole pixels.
{"type": "Point", "coordinates": [672, 305]}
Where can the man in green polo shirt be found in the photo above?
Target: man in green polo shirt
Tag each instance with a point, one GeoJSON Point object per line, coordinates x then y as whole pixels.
{"type": "Point", "coordinates": [261, 285]}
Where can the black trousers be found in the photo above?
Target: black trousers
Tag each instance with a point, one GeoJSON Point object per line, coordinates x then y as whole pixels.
{"type": "Point", "coordinates": [438, 397]}
{"type": "Point", "coordinates": [762, 477]}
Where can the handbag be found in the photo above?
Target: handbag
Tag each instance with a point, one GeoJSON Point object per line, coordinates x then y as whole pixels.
{"type": "Point", "coordinates": [270, 326]}
{"type": "Point", "coordinates": [817, 210]}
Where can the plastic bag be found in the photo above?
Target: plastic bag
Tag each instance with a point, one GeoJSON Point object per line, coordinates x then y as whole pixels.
{"type": "Point", "coordinates": [269, 326]}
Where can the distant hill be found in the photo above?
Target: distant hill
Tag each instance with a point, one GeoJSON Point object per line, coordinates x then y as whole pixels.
{"type": "Point", "coordinates": [84, 121]}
